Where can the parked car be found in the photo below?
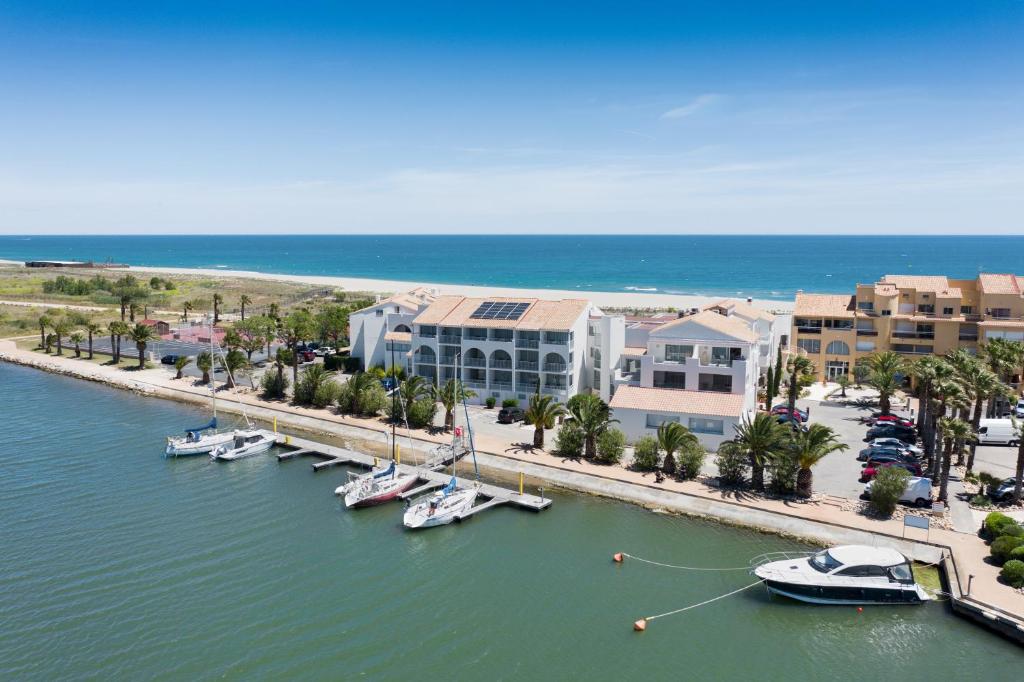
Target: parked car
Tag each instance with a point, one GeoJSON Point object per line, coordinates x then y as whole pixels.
{"type": "Point", "coordinates": [389, 383]}
{"type": "Point", "coordinates": [1003, 493]}
{"type": "Point", "coordinates": [868, 473]}
{"type": "Point", "coordinates": [784, 409]}
{"type": "Point", "coordinates": [896, 442]}
{"type": "Point", "coordinates": [1019, 410]}
{"type": "Point", "coordinates": [169, 359]}
{"type": "Point", "coordinates": [511, 415]}
{"type": "Point", "coordinates": [880, 419]}
{"type": "Point", "coordinates": [891, 457]}
{"type": "Point", "coordinates": [324, 350]}
{"type": "Point", "coordinates": [871, 452]}
{"type": "Point", "coordinates": [917, 493]}
{"type": "Point", "coordinates": [892, 431]}
{"type": "Point", "coordinates": [306, 355]}
{"type": "Point", "coordinates": [998, 432]}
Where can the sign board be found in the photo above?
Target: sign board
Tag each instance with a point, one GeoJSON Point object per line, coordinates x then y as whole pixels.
{"type": "Point", "coordinates": [921, 522]}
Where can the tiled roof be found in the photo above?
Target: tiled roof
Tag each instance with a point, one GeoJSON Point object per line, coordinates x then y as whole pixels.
{"type": "Point", "coordinates": [951, 292]}
{"type": "Point", "coordinates": [999, 284]}
{"type": "Point", "coordinates": [743, 308]}
{"type": "Point", "coordinates": [410, 300]}
{"type": "Point", "coordinates": [455, 311]}
{"type": "Point", "coordinates": [634, 351]}
{"type": "Point", "coordinates": [824, 305]}
{"type": "Point", "coordinates": [730, 326]}
{"type": "Point", "coordinates": [886, 289]}
{"type": "Point", "coordinates": [919, 282]}
{"type": "Point", "coordinates": [398, 336]}
{"type": "Point", "coordinates": [678, 402]}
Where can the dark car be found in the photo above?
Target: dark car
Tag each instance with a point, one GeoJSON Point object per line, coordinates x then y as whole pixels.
{"type": "Point", "coordinates": [876, 460]}
{"type": "Point", "coordinates": [169, 359]}
{"type": "Point", "coordinates": [868, 453]}
{"type": "Point", "coordinates": [892, 431]}
{"type": "Point", "coordinates": [784, 409]}
{"type": "Point", "coordinates": [1003, 493]}
{"type": "Point", "coordinates": [869, 472]}
{"type": "Point", "coordinates": [511, 415]}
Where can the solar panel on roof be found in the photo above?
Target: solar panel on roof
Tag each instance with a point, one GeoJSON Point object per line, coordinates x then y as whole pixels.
{"type": "Point", "coordinates": [499, 310]}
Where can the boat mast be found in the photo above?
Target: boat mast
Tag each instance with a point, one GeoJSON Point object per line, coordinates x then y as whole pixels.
{"type": "Point", "coordinates": [213, 373]}
{"type": "Point", "coordinates": [394, 395]}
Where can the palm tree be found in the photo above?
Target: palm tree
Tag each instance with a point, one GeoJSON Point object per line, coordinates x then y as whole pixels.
{"type": "Point", "coordinates": [112, 328]}
{"type": "Point", "coordinates": [1003, 357]}
{"type": "Point", "coordinates": [235, 361]}
{"type": "Point", "coordinates": [762, 439]}
{"type": "Point", "coordinates": [77, 338]}
{"type": "Point", "coordinates": [672, 437]}
{"type": "Point", "coordinates": [450, 395]}
{"type": "Point", "coordinates": [798, 366]}
{"type": "Point", "coordinates": [982, 384]}
{"type": "Point", "coordinates": [122, 330]}
{"type": "Point", "coordinates": [412, 389]}
{"type": "Point", "coordinates": [44, 321]}
{"type": "Point", "coordinates": [886, 368]}
{"type": "Point", "coordinates": [60, 330]}
{"type": "Point", "coordinates": [186, 308]}
{"type": "Point", "coordinates": [133, 308]}
{"type": "Point", "coordinates": [1019, 476]}
{"type": "Point", "coordinates": [954, 431]}
{"type": "Point", "coordinates": [274, 311]}
{"type": "Point", "coordinates": [204, 363]}
{"type": "Point", "coordinates": [180, 364]}
{"type": "Point", "coordinates": [295, 329]}
{"type": "Point", "coordinates": [945, 386]}
{"type": "Point", "coordinates": [811, 446]}
{"type": "Point", "coordinates": [244, 301]}
{"type": "Point", "coordinates": [593, 416]}
{"type": "Point", "coordinates": [141, 335]}
{"type": "Point", "coordinates": [92, 329]}
{"type": "Point", "coordinates": [923, 370]}
{"type": "Point", "coordinates": [217, 300]}
{"type": "Point", "coordinates": [542, 413]}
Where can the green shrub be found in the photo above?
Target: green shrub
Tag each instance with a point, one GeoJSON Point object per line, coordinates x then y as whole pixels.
{"type": "Point", "coordinates": [491, 402]}
{"type": "Point", "coordinates": [1017, 553]}
{"type": "Point", "coordinates": [690, 460]}
{"type": "Point", "coordinates": [326, 394]}
{"type": "Point", "coordinates": [273, 386]}
{"type": "Point", "coordinates": [1012, 529]}
{"type": "Point", "coordinates": [1002, 546]}
{"type": "Point", "coordinates": [733, 464]}
{"type": "Point", "coordinates": [994, 523]}
{"type": "Point", "coordinates": [338, 362]}
{"type": "Point", "coordinates": [367, 402]}
{"type": "Point", "coordinates": [510, 402]}
{"type": "Point", "coordinates": [782, 471]}
{"type": "Point", "coordinates": [352, 364]}
{"type": "Point", "coordinates": [422, 413]}
{"type": "Point", "coordinates": [888, 487]}
{"type": "Point", "coordinates": [980, 501]}
{"type": "Point", "coordinates": [569, 441]}
{"type": "Point", "coordinates": [611, 443]}
{"type": "Point", "coordinates": [1013, 573]}
{"type": "Point", "coordinates": [645, 454]}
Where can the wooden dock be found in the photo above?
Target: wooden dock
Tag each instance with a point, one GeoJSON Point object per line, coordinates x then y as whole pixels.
{"type": "Point", "coordinates": [330, 455]}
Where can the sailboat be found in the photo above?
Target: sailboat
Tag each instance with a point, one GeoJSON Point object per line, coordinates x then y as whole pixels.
{"type": "Point", "coordinates": [450, 503]}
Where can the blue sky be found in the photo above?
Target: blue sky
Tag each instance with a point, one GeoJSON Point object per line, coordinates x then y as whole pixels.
{"type": "Point", "coordinates": [678, 117]}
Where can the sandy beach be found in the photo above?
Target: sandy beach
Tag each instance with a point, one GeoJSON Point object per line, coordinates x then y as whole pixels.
{"type": "Point", "coordinates": [610, 299]}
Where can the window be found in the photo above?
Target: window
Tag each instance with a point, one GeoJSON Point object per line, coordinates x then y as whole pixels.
{"type": "Point", "coordinates": [676, 353]}
{"type": "Point", "coordinates": [886, 313]}
{"type": "Point", "coordinates": [812, 346]}
{"type": "Point", "coordinates": [824, 562]}
{"type": "Point", "coordinates": [865, 305]}
{"type": "Point", "coordinates": [713, 426]}
{"type": "Point", "coordinates": [865, 346]}
{"type": "Point", "coordinates": [966, 309]}
{"type": "Point", "coordinates": [999, 312]}
{"type": "Point", "coordinates": [926, 309]}
{"type": "Point", "coordinates": [838, 348]}
{"type": "Point", "coordinates": [380, 312]}
{"type": "Point", "coordinates": [947, 311]}
{"type": "Point", "coordinates": [656, 420]}
{"type": "Point", "coordinates": [719, 383]}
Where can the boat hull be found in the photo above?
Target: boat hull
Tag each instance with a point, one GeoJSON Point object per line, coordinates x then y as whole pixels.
{"type": "Point", "coordinates": [416, 517]}
{"type": "Point", "coordinates": [847, 595]}
{"type": "Point", "coordinates": [242, 453]}
{"type": "Point", "coordinates": [180, 448]}
{"type": "Point", "coordinates": [353, 501]}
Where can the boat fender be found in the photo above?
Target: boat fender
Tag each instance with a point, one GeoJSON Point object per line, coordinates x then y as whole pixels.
{"type": "Point", "coordinates": [640, 625]}
{"type": "Point", "coordinates": [617, 557]}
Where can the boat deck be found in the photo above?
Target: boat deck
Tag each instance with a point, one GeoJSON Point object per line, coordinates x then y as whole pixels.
{"type": "Point", "coordinates": [329, 456]}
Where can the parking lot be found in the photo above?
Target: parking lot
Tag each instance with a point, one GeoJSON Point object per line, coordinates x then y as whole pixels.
{"type": "Point", "coordinates": [162, 347]}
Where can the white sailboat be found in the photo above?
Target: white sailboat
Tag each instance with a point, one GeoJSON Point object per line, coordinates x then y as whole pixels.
{"type": "Point", "coordinates": [377, 487]}
{"type": "Point", "coordinates": [244, 443]}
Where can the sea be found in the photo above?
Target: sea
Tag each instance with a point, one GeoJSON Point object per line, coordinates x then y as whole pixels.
{"type": "Point", "coordinates": [758, 266]}
{"type": "Point", "coordinates": [118, 564]}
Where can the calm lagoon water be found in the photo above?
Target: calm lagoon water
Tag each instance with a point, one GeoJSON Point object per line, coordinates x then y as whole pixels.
{"type": "Point", "coordinates": [118, 564]}
{"type": "Point", "coordinates": [768, 266]}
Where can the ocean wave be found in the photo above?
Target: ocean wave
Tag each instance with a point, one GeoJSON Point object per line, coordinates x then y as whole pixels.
{"type": "Point", "coordinates": [640, 288]}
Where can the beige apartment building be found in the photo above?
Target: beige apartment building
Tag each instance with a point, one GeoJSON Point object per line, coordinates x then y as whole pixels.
{"type": "Point", "coordinates": [912, 315]}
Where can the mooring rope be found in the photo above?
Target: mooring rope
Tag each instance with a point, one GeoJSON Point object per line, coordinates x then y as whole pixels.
{"type": "Point", "coordinates": [683, 568]}
{"type": "Point", "coordinates": [693, 606]}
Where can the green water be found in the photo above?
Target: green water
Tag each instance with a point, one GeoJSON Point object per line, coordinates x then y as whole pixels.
{"type": "Point", "coordinates": [118, 564]}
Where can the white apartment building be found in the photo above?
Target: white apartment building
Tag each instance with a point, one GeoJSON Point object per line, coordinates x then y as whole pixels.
{"type": "Point", "coordinates": [503, 347]}
{"type": "Point", "coordinates": [385, 326]}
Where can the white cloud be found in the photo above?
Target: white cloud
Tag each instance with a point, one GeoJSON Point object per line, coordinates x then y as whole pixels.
{"type": "Point", "coordinates": [699, 102]}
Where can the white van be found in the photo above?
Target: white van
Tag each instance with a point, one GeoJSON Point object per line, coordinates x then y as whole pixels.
{"type": "Point", "coordinates": [918, 492]}
{"type": "Point", "coordinates": [998, 432]}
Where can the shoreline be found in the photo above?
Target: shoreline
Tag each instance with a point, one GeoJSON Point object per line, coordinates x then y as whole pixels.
{"type": "Point", "coordinates": [816, 525]}
{"type": "Point", "coordinates": [609, 299]}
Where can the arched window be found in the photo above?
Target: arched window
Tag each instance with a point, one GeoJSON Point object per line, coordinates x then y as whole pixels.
{"type": "Point", "coordinates": [402, 328]}
{"type": "Point", "coordinates": [837, 348]}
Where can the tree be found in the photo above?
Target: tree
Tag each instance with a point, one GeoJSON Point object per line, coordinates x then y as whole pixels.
{"type": "Point", "coordinates": [141, 335]}
{"type": "Point", "coordinates": [44, 321]}
{"type": "Point", "coordinates": [645, 453]}
{"type": "Point", "coordinates": [232, 339]}
{"type": "Point", "coordinates": [77, 338]}
{"type": "Point", "coordinates": [777, 376]}
{"type": "Point", "coordinates": [332, 323]}
{"type": "Point", "coordinates": [186, 308]}
{"type": "Point", "coordinates": [810, 447]}
{"type": "Point", "coordinates": [762, 440]}
{"type": "Point", "coordinates": [127, 290]}
{"type": "Point", "coordinates": [412, 389]}
{"type": "Point", "coordinates": [953, 431]}
{"type": "Point", "coordinates": [886, 368]}
{"type": "Point", "coordinates": [217, 300]}
{"type": "Point", "coordinates": [542, 413]}
{"type": "Point", "coordinates": [234, 361]}
{"type": "Point", "coordinates": [204, 363]}
{"type": "Point", "coordinates": [673, 436]}
{"type": "Point", "coordinates": [296, 328]}
{"type": "Point", "coordinates": [982, 384]}
{"type": "Point", "coordinates": [610, 446]}
{"type": "Point", "coordinates": [799, 366]}
{"type": "Point", "coordinates": [844, 383]}
{"type": "Point", "coordinates": [252, 334]}
{"type": "Point", "coordinates": [1019, 476]}
{"type": "Point", "coordinates": [180, 364]}
{"type": "Point", "coordinates": [91, 329]}
{"type": "Point", "coordinates": [1003, 357]}
{"type": "Point", "coordinates": [888, 487]}
{"type": "Point", "coordinates": [275, 384]}
{"type": "Point", "coordinates": [243, 301]}
{"type": "Point", "coordinates": [450, 395]}
{"type": "Point", "coordinates": [61, 329]}
{"type": "Point", "coordinates": [593, 416]}
{"type": "Point", "coordinates": [769, 387]}
{"type": "Point", "coordinates": [313, 378]}
{"type": "Point", "coordinates": [924, 371]}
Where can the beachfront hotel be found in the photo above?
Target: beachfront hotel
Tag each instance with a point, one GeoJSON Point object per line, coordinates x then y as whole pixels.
{"type": "Point", "coordinates": [912, 315]}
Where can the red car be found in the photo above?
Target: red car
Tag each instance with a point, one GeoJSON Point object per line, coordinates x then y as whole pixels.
{"type": "Point", "coordinates": [892, 419]}
{"type": "Point", "coordinates": [868, 472]}
{"type": "Point", "coordinates": [306, 356]}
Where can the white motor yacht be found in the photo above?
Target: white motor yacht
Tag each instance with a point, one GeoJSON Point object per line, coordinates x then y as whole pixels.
{"type": "Point", "coordinates": [244, 444]}
{"type": "Point", "coordinates": [850, 574]}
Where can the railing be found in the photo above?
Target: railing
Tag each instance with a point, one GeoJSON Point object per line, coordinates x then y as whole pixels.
{"type": "Point", "coordinates": [867, 332]}
{"type": "Point", "coordinates": [501, 385]}
{"type": "Point", "coordinates": [967, 337]}
{"type": "Point", "coordinates": [475, 384]}
{"type": "Point", "coordinates": [501, 364]}
{"type": "Point", "coordinates": [425, 359]}
{"type": "Point", "coordinates": [450, 339]}
{"type": "Point", "coordinates": [474, 337]}
{"type": "Point", "coordinates": [527, 343]}
{"type": "Point", "coordinates": [447, 359]}
{"type": "Point", "coordinates": [557, 340]}
{"type": "Point", "coordinates": [553, 390]}
{"type": "Point", "coordinates": [527, 364]}
{"type": "Point", "coordinates": [474, 362]}
{"type": "Point", "coordinates": [427, 335]}
{"type": "Point", "coordinates": [808, 330]}
{"type": "Point", "coordinates": [554, 366]}
{"type": "Point", "coordinates": [913, 335]}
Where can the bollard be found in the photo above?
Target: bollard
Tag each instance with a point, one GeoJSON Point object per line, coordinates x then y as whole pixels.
{"type": "Point", "coordinates": [520, 482]}
{"type": "Point", "coordinates": [970, 579]}
{"type": "Point", "coordinates": [398, 454]}
{"type": "Point", "coordinates": [275, 424]}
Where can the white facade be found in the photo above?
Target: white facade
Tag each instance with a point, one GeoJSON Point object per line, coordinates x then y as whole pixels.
{"type": "Point", "coordinates": [368, 327]}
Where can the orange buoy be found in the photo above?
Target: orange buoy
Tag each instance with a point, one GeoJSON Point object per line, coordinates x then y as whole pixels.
{"type": "Point", "coordinates": [640, 625]}
{"type": "Point", "coordinates": [860, 609]}
{"type": "Point", "coordinates": [617, 557]}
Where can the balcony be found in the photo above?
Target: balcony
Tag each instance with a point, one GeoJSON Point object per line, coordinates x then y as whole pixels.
{"type": "Point", "coordinates": [530, 365]}
{"type": "Point", "coordinates": [475, 384]}
{"type": "Point", "coordinates": [424, 359]}
{"type": "Point", "coordinates": [808, 330]}
{"type": "Point", "coordinates": [527, 343]}
{"type": "Point", "coordinates": [447, 360]}
{"type": "Point", "coordinates": [913, 335]}
{"type": "Point", "coordinates": [556, 339]}
{"type": "Point", "coordinates": [555, 367]}
{"type": "Point", "coordinates": [475, 337]}
{"type": "Point", "coordinates": [427, 335]}
{"type": "Point", "coordinates": [474, 362]}
{"type": "Point", "coordinates": [501, 385]}
{"type": "Point", "coordinates": [501, 364]}
{"type": "Point", "coordinates": [553, 390]}
{"type": "Point", "coordinates": [499, 338]}
{"type": "Point", "coordinates": [450, 339]}
{"type": "Point", "coordinates": [867, 332]}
